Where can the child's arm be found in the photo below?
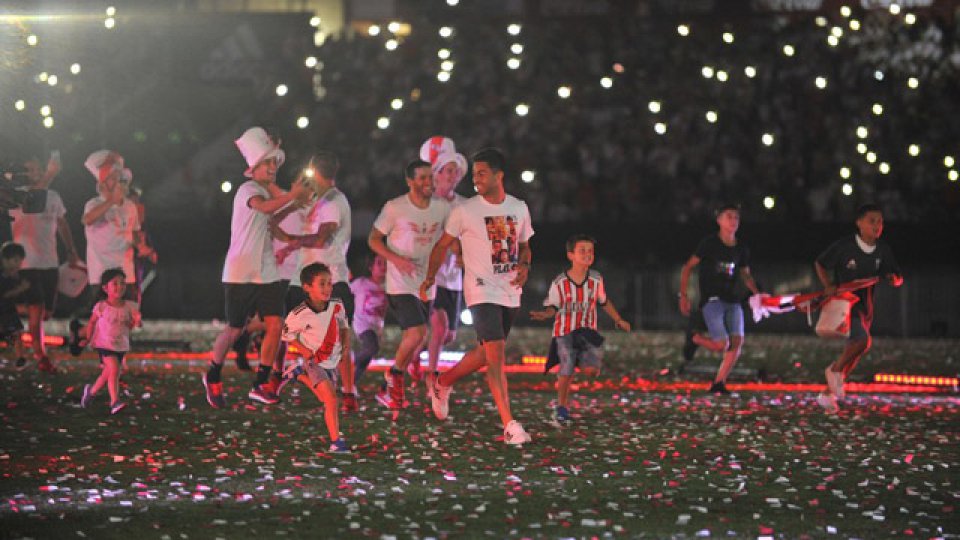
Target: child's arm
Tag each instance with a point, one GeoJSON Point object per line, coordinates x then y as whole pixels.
{"type": "Point", "coordinates": [21, 288]}
{"type": "Point", "coordinates": [90, 327]}
{"type": "Point", "coordinates": [748, 280]}
{"type": "Point", "coordinates": [824, 275]}
{"type": "Point", "coordinates": [345, 343]}
{"type": "Point", "coordinates": [136, 319]}
{"type": "Point", "coordinates": [685, 281]}
{"type": "Point", "coordinates": [617, 319]}
{"type": "Point", "coordinates": [543, 314]}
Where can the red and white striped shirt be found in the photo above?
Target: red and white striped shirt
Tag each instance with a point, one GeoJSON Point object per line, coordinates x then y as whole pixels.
{"type": "Point", "coordinates": [576, 303]}
{"type": "Point", "coordinates": [319, 331]}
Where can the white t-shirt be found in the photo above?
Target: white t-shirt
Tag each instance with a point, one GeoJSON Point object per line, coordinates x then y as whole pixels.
{"type": "Point", "coordinates": [112, 331]}
{"type": "Point", "coordinates": [38, 232]}
{"type": "Point", "coordinates": [110, 239]}
{"type": "Point", "coordinates": [490, 235]}
{"type": "Point", "coordinates": [250, 258]}
{"type": "Point", "coordinates": [371, 305]}
{"type": "Point", "coordinates": [292, 224]}
{"type": "Point", "coordinates": [332, 207]}
{"type": "Point", "coordinates": [319, 331]}
{"type": "Point", "coordinates": [450, 275]}
{"type": "Point", "coordinates": [411, 232]}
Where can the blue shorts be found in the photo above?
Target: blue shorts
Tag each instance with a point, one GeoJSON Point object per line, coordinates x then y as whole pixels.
{"type": "Point", "coordinates": [575, 353]}
{"type": "Point", "coordinates": [723, 319]}
{"type": "Point", "coordinates": [319, 374]}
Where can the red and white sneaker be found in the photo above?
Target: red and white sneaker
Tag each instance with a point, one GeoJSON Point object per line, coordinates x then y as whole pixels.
{"type": "Point", "coordinates": [828, 402]}
{"type": "Point", "coordinates": [835, 383]}
{"type": "Point", "coordinates": [264, 394]}
{"type": "Point", "coordinates": [440, 400]}
{"type": "Point", "coordinates": [214, 392]}
{"type": "Point", "coordinates": [515, 434]}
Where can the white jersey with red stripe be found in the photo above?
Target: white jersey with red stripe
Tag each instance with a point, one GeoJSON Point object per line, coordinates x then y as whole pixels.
{"type": "Point", "coordinates": [576, 303]}
{"type": "Point", "coordinates": [319, 331]}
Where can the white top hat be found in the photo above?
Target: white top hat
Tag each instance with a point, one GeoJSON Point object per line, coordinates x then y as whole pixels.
{"type": "Point", "coordinates": [434, 146]}
{"type": "Point", "coordinates": [455, 157]}
{"type": "Point", "coordinates": [99, 158]}
{"type": "Point", "coordinates": [256, 146]}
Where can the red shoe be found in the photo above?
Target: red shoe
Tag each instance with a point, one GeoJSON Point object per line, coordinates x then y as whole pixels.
{"type": "Point", "coordinates": [349, 403]}
{"type": "Point", "coordinates": [214, 392]}
{"type": "Point", "coordinates": [413, 368]}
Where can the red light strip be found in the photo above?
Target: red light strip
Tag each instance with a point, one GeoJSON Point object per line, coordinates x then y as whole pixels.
{"type": "Point", "coordinates": [922, 380]}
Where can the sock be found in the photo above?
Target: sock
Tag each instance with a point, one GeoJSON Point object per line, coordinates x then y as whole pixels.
{"type": "Point", "coordinates": [263, 373]}
{"type": "Point", "coordinates": [213, 372]}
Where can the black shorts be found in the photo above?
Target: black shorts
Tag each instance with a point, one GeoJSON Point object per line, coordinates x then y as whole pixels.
{"type": "Point", "coordinates": [409, 310]}
{"type": "Point", "coordinates": [10, 324]}
{"type": "Point", "coordinates": [242, 300]}
{"type": "Point", "coordinates": [342, 292]}
{"type": "Point", "coordinates": [294, 297]}
{"type": "Point", "coordinates": [451, 302]}
{"type": "Point", "coordinates": [43, 287]}
{"type": "Point", "coordinates": [493, 321]}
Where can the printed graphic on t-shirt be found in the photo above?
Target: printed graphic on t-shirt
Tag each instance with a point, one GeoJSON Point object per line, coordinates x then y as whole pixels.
{"type": "Point", "coordinates": [502, 233]}
{"type": "Point", "coordinates": [726, 268]}
{"type": "Point", "coordinates": [423, 233]}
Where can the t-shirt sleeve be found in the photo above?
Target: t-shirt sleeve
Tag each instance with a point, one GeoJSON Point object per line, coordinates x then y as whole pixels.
{"type": "Point", "coordinates": [386, 220]}
{"type": "Point", "coordinates": [553, 295]}
{"type": "Point", "coordinates": [830, 256]}
{"type": "Point", "coordinates": [292, 327]}
{"type": "Point", "coordinates": [526, 226]}
{"type": "Point", "coordinates": [745, 257]}
{"type": "Point", "coordinates": [888, 263]}
{"type": "Point", "coordinates": [703, 249]}
{"type": "Point", "coordinates": [454, 225]}
{"type": "Point", "coordinates": [247, 191]}
{"type": "Point", "coordinates": [601, 291]}
{"type": "Point", "coordinates": [90, 205]}
{"type": "Point", "coordinates": [327, 212]}
{"type": "Point", "coordinates": [57, 205]}
{"type": "Point", "coordinates": [342, 321]}
{"type": "Point", "coordinates": [134, 216]}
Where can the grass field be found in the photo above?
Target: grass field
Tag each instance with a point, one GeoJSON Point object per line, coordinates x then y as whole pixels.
{"type": "Point", "coordinates": [640, 460]}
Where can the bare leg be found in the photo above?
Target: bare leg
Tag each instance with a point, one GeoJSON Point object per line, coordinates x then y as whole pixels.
{"type": "Point", "coordinates": [715, 345]}
{"type": "Point", "coordinates": [327, 395]}
{"type": "Point", "coordinates": [410, 343]}
{"type": "Point", "coordinates": [346, 370]}
{"type": "Point", "coordinates": [440, 335]}
{"type": "Point", "coordinates": [271, 342]}
{"type": "Point", "coordinates": [111, 370]}
{"type": "Point", "coordinates": [224, 342]}
{"type": "Point", "coordinates": [470, 363]}
{"type": "Point", "coordinates": [729, 358]}
{"type": "Point", "coordinates": [35, 327]}
{"type": "Point", "coordinates": [497, 377]}
{"type": "Point", "coordinates": [563, 390]}
{"type": "Point", "coordinates": [851, 355]}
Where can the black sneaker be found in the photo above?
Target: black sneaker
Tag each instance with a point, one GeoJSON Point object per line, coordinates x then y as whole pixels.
{"type": "Point", "coordinates": [719, 388]}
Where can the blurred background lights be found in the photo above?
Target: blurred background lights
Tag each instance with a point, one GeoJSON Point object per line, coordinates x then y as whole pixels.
{"type": "Point", "coordinates": [861, 148]}
{"type": "Point", "coordinates": [654, 106]}
{"type": "Point", "coordinates": [393, 27]}
{"type": "Point", "coordinates": [914, 150]}
{"type": "Point", "coordinates": [513, 63]}
{"type": "Point", "coordinates": [884, 168]}
{"type": "Point", "coordinates": [32, 40]}
{"type": "Point", "coordinates": [52, 80]}
{"type": "Point", "coordinates": [728, 37]}
{"type": "Point", "coordinates": [391, 44]}
{"type": "Point", "coordinates": [722, 76]}
{"type": "Point", "coordinates": [75, 69]}
{"type": "Point", "coordinates": [396, 104]}
{"type": "Point", "coordinates": [314, 21]}
{"type": "Point", "coordinates": [821, 82]}
{"type": "Point", "coordinates": [43, 76]}
{"type": "Point", "coordinates": [854, 25]}
{"type": "Point", "coordinates": [443, 54]}
{"type": "Point", "coordinates": [707, 72]}
{"type": "Point", "coordinates": [660, 128]}
{"type": "Point", "coordinates": [877, 109]}
{"type": "Point", "coordinates": [383, 122]}
{"type": "Point", "coordinates": [894, 9]}
{"type": "Point", "coordinates": [871, 157]}
{"type": "Point", "coordinates": [878, 75]}
{"type": "Point", "coordinates": [111, 11]}
{"type": "Point", "coordinates": [446, 31]}
{"type": "Point", "coordinates": [226, 186]}
{"type": "Point", "coordinates": [19, 105]}
{"type": "Point", "coordinates": [832, 40]}
{"type": "Point", "coordinates": [769, 202]}
{"type": "Point", "coordinates": [836, 31]}
{"type": "Point", "coordinates": [311, 61]}
{"type": "Point", "coordinates": [683, 30]}
{"type": "Point", "coordinates": [374, 30]}
{"type": "Point", "coordinates": [446, 65]}
{"type": "Point", "coordinates": [845, 11]}
{"type": "Point", "coordinates": [844, 172]}
{"type": "Point", "coordinates": [913, 83]}
{"type": "Point", "coordinates": [606, 82]}
{"type": "Point", "coordinates": [948, 161]}
{"type": "Point", "coordinates": [820, 21]}
{"type": "Point", "coordinates": [452, 3]}
{"type": "Point", "coordinates": [862, 132]}
{"type": "Point", "coordinates": [767, 139]}
{"type": "Point", "coordinates": [750, 71]}
{"type": "Point", "coordinates": [513, 29]}
{"type": "Point", "coordinates": [48, 122]}
{"type": "Point", "coordinates": [443, 76]}
{"type": "Point", "coordinates": [303, 122]}
{"type": "Point", "coordinates": [527, 176]}
{"type": "Point", "coordinates": [516, 48]}
{"type": "Point", "coordinates": [788, 50]}
{"type": "Point", "coordinates": [522, 109]}
{"type": "Point", "coordinates": [563, 92]}
{"type": "Point", "coordinates": [282, 90]}
{"type": "Point", "coordinates": [952, 175]}
{"type": "Point", "coordinates": [45, 110]}
{"type": "Point", "coordinates": [846, 189]}
{"type": "Point", "coordinates": [110, 22]}
{"type": "Point", "coordinates": [711, 116]}
{"type": "Point", "coordinates": [910, 18]}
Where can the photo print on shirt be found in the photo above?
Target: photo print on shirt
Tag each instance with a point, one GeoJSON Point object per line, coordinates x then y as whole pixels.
{"type": "Point", "coordinates": [502, 233]}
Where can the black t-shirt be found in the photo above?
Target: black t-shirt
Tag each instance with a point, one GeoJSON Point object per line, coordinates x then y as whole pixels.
{"type": "Point", "coordinates": [720, 267]}
{"type": "Point", "coordinates": [846, 261]}
{"type": "Point", "coordinates": [9, 305]}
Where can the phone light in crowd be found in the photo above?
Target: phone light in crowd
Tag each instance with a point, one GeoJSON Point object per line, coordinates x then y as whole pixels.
{"type": "Point", "coordinates": [877, 109]}
{"type": "Point", "coordinates": [393, 27]}
{"type": "Point", "coordinates": [109, 22]}
{"type": "Point", "coordinates": [767, 139]}
{"type": "Point", "coordinates": [821, 82]}
{"type": "Point", "coordinates": [19, 105]}
{"type": "Point", "coordinates": [711, 117]}
{"type": "Point", "coordinates": [914, 150]}
{"type": "Point", "coordinates": [466, 317]}
{"type": "Point", "coordinates": [303, 122]}
{"type": "Point", "coordinates": [310, 62]}
{"type": "Point", "coordinates": [383, 122]}
{"type": "Point", "coordinates": [769, 202]}
{"type": "Point", "coordinates": [728, 37]}
{"type": "Point", "coordinates": [606, 82]}
{"type": "Point", "coordinates": [226, 186]}
{"type": "Point", "coordinates": [43, 76]}
{"type": "Point", "coordinates": [513, 63]}
{"type": "Point", "coordinates": [788, 50]}
{"type": "Point", "coordinates": [846, 189]}
{"type": "Point", "coordinates": [443, 54]}
{"type": "Point", "coordinates": [516, 48]}
{"type": "Point", "coordinates": [527, 176]}
{"type": "Point", "coordinates": [309, 172]}
{"type": "Point", "coordinates": [660, 128]}
{"type": "Point", "coordinates": [396, 104]}
{"type": "Point", "coordinates": [45, 110]}
{"type": "Point", "coordinates": [452, 3]}
{"type": "Point", "coordinates": [894, 9]}
{"type": "Point", "coordinates": [820, 21]}
{"type": "Point", "coordinates": [48, 122]}
{"type": "Point", "coordinates": [722, 76]}
{"type": "Point", "coordinates": [922, 380]}
{"type": "Point", "coordinates": [315, 21]}
{"type": "Point", "coordinates": [707, 72]}
{"type": "Point", "coordinates": [862, 132]}
{"type": "Point", "coordinates": [750, 72]}
{"type": "Point", "coordinates": [282, 90]}
{"type": "Point", "coordinates": [373, 30]}
{"type": "Point", "coordinates": [871, 157]}
{"type": "Point", "coordinates": [522, 109]}
{"type": "Point", "coordinates": [844, 172]}
{"type": "Point", "coordinates": [884, 167]}
{"type": "Point", "coordinates": [391, 44]}
{"type": "Point", "coordinates": [111, 11]}
{"type": "Point", "coordinates": [910, 18]}
{"type": "Point", "coordinates": [952, 175]}
{"type": "Point", "coordinates": [514, 29]}
{"type": "Point", "coordinates": [683, 30]}
{"type": "Point", "coordinates": [446, 65]}
{"type": "Point", "coordinates": [836, 31]}
{"type": "Point", "coordinates": [878, 75]}
{"type": "Point", "coordinates": [833, 41]}
{"type": "Point", "coordinates": [443, 76]}
{"type": "Point", "coordinates": [52, 80]}
{"type": "Point", "coordinates": [861, 148]}
{"type": "Point", "coordinates": [32, 40]}
{"type": "Point", "coordinates": [445, 31]}
{"type": "Point", "coordinates": [854, 25]}
{"type": "Point", "coordinates": [913, 83]}
{"type": "Point", "coordinates": [654, 106]}
{"type": "Point", "coordinates": [845, 11]}
{"type": "Point", "coordinates": [948, 161]}
{"type": "Point", "coordinates": [75, 69]}
{"type": "Point", "coordinates": [563, 92]}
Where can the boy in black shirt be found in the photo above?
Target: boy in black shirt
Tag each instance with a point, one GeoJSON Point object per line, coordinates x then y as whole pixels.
{"type": "Point", "coordinates": [852, 257]}
{"type": "Point", "coordinates": [724, 260]}
{"type": "Point", "coordinates": [12, 289]}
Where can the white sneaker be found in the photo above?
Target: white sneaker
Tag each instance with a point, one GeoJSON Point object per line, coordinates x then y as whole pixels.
{"type": "Point", "coordinates": [440, 400]}
{"type": "Point", "coordinates": [835, 383]}
{"type": "Point", "coordinates": [828, 402]}
{"type": "Point", "coordinates": [87, 397]}
{"type": "Point", "coordinates": [515, 434]}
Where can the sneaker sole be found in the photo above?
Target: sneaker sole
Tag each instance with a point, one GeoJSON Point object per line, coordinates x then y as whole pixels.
{"type": "Point", "coordinates": [262, 399]}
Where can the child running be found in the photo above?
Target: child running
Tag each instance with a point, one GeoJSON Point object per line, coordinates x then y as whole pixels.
{"type": "Point", "coordinates": [573, 299]}
{"type": "Point", "coordinates": [318, 329]}
{"type": "Point", "coordinates": [371, 302]}
{"type": "Point", "coordinates": [12, 288]}
{"type": "Point", "coordinates": [108, 332]}
{"type": "Point", "coordinates": [859, 256]}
